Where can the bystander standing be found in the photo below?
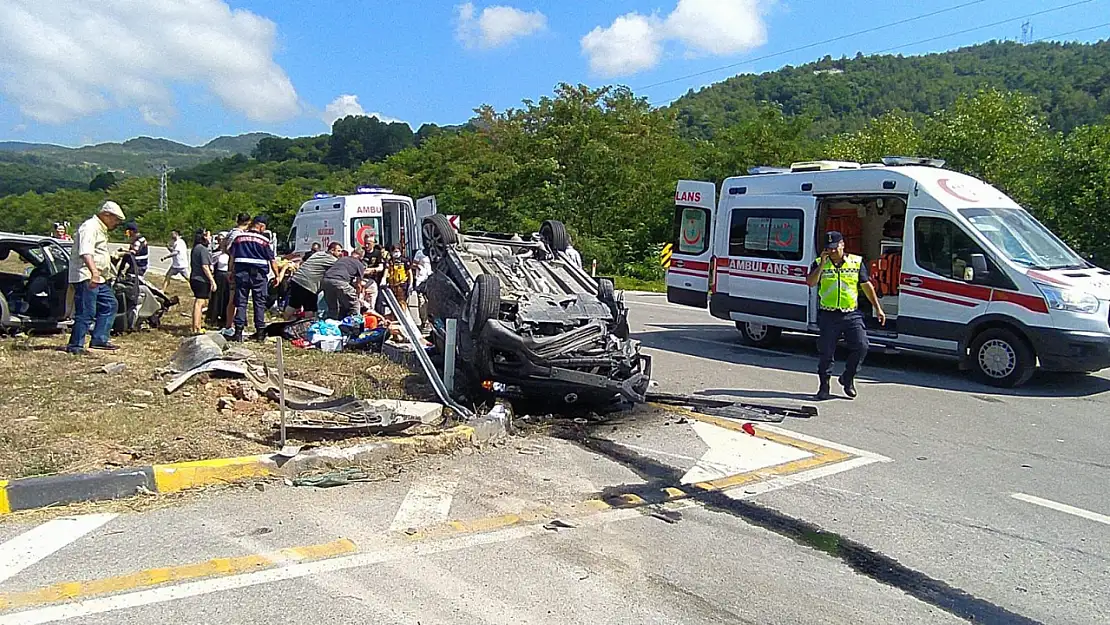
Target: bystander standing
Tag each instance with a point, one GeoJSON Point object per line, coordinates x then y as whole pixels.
{"type": "Point", "coordinates": [201, 279]}
{"type": "Point", "coordinates": [422, 270]}
{"type": "Point", "coordinates": [217, 306]}
{"type": "Point", "coordinates": [242, 224]}
{"type": "Point", "coordinates": [252, 258]}
{"type": "Point", "coordinates": [90, 270]}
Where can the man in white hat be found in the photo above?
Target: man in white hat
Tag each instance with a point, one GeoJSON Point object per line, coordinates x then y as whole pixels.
{"type": "Point", "coordinates": [90, 269]}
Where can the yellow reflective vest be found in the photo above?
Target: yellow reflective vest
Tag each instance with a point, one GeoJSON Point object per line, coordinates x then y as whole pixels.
{"type": "Point", "coordinates": [838, 288]}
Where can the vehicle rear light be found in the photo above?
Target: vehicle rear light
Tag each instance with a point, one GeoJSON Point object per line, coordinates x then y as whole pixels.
{"type": "Point", "coordinates": [712, 275]}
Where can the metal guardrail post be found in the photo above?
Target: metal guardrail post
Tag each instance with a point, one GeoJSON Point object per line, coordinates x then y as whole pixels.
{"type": "Point", "coordinates": [449, 354]}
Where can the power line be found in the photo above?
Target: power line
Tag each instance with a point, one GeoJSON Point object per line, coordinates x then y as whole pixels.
{"type": "Point", "coordinates": [907, 45]}
{"type": "Point", "coordinates": [812, 45]}
{"type": "Point", "coordinates": [1072, 32]}
{"type": "Point", "coordinates": [968, 30]}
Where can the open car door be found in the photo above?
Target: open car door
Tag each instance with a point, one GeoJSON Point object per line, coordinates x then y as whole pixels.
{"type": "Point", "coordinates": [692, 249]}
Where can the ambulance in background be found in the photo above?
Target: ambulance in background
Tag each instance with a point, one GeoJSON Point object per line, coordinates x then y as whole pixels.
{"type": "Point", "coordinates": [350, 219]}
{"type": "Point", "coordinates": [963, 271]}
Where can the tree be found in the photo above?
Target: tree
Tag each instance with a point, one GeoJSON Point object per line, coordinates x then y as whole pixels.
{"type": "Point", "coordinates": [103, 182]}
{"type": "Point", "coordinates": [356, 139]}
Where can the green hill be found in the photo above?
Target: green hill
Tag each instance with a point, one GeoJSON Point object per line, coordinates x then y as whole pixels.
{"type": "Point", "coordinates": [1070, 80]}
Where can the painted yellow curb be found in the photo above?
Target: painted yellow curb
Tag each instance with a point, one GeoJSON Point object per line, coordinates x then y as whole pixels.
{"type": "Point", "coordinates": [171, 478]}
{"type": "Point", "coordinates": [5, 508]}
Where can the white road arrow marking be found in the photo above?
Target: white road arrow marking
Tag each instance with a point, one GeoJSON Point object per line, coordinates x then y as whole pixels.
{"type": "Point", "coordinates": [732, 452]}
{"type": "Point", "coordinates": [33, 545]}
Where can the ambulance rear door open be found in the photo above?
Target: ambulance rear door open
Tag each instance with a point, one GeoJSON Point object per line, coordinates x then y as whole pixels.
{"type": "Point", "coordinates": [769, 246]}
{"type": "Point", "coordinates": [692, 249]}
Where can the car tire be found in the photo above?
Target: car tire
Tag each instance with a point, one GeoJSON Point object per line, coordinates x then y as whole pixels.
{"type": "Point", "coordinates": [437, 235]}
{"type": "Point", "coordinates": [606, 291]}
{"type": "Point", "coordinates": [554, 233]}
{"type": "Point", "coordinates": [758, 334]}
{"type": "Point", "coordinates": [485, 301]}
{"type": "Point", "coordinates": [999, 357]}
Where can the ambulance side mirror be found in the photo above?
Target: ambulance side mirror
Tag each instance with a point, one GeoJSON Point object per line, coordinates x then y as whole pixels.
{"type": "Point", "coordinates": [979, 269]}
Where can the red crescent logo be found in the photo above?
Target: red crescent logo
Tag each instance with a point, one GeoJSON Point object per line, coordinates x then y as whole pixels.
{"type": "Point", "coordinates": [957, 190]}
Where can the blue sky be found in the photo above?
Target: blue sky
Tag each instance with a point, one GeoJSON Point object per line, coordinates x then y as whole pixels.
{"type": "Point", "coordinates": [190, 70]}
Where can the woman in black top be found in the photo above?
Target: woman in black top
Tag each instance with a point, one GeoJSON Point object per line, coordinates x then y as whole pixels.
{"type": "Point", "coordinates": [201, 279]}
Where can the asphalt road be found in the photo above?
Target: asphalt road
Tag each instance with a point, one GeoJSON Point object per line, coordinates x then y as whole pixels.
{"type": "Point", "coordinates": [898, 507]}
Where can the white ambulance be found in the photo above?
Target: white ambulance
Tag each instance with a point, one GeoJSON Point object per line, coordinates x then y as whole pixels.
{"type": "Point", "coordinates": [350, 219]}
{"type": "Point", "coordinates": [962, 270]}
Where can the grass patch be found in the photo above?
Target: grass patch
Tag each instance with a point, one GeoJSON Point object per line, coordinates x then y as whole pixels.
{"type": "Point", "coordinates": [62, 415]}
{"type": "Point", "coordinates": [625, 283]}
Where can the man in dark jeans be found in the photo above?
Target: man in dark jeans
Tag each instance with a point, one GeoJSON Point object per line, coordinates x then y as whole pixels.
{"type": "Point", "coordinates": [252, 258]}
{"type": "Point", "coordinates": [90, 269]}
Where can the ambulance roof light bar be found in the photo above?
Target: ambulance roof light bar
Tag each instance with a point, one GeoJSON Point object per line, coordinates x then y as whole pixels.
{"type": "Point", "coordinates": [761, 170]}
{"type": "Point", "coordinates": [823, 165]}
{"type": "Point", "coordinates": [898, 161]}
{"type": "Point", "coordinates": [368, 189]}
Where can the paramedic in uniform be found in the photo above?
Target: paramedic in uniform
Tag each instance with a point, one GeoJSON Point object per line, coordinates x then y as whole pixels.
{"type": "Point", "coordinates": [839, 277]}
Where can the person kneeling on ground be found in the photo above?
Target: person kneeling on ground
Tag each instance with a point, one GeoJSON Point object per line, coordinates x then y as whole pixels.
{"type": "Point", "coordinates": [306, 282]}
{"type": "Point", "coordinates": [339, 283]}
{"type": "Point", "coordinates": [201, 279]}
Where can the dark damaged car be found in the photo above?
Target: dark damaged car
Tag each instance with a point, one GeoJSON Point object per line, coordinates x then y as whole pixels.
{"type": "Point", "coordinates": [530, 319]}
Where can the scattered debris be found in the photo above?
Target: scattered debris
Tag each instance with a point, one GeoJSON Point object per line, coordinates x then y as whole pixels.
{"type": "Point", "coordinates": [342, 477]}
{"type": "Point", "coordinates": [748, 428]}
{"type": "Point", "coordinates": [730, 409]}
{"type": "Point", "coordinates": [225, 404]}
{"type": "Point", "coordinates": [138, 392]}
{"type": "Point", "coordinates": [260, 487]}
{"type": "Point", "coordinates": [558, 524]}
{"type": "Point", "coordinates": [113, 368]}
{"type": "Point", "coordinates": [532, 450]}
{"type": "Point", "coordinates": [670, 516]}
{"type": "Point", "coordinates": [243, 390]}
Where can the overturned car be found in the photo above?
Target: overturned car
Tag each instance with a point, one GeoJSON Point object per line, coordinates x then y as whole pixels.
{"type": "Point", "coordinates": [530, 319]}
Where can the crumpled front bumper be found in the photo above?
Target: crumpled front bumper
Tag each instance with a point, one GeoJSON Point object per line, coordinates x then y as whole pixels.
{"type": "Point", "coordinates": [545, 365]}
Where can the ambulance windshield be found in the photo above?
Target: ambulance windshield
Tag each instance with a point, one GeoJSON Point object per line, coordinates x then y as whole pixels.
{"type": "Point", "coordinates": [1022, 238]}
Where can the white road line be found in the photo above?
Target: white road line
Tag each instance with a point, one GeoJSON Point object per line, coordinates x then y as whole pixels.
{"type": "Point", "coordinates": [758, 488]}
{"type": "Point", "coordinates": [1063, 507]}
{"type": "Point", "coordinates": [33, 545]}
{"type": "Point", "coordinates": [824, 443]}
{"type": "Point", "coordinates": [428, 502]}
{"type": "Point", "coordinates": [198, 588]}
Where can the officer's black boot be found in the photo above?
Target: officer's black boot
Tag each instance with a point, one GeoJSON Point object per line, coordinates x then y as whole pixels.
{"type": "Point", "coordinates": [849, 385]}
{"type": "Point", "coordinates": [824, 393]}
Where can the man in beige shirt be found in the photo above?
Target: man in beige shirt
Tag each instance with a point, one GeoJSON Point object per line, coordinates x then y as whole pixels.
{"type": "Point", "coordinates": [90, 269]}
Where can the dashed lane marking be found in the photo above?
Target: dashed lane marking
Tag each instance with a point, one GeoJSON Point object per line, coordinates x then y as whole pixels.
{"type": "Point", "coordinates": [35, 544]}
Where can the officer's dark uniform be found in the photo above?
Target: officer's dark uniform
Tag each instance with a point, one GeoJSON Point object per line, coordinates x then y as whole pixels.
{"type": "Point", "coordinates": [839, 315]}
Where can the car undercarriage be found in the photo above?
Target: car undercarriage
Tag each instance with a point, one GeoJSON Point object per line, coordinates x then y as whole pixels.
{"type": "Point", "coordinates": [529, 318]}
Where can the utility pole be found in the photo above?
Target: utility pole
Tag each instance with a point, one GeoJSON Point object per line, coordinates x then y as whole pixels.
{"type": "Point", "coordinates": [163, 179]}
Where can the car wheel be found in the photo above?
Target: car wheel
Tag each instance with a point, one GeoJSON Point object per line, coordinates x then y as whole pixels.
{"type": "Point", "coordinates": [485, 301]}
{"type": "Point", "coordinates": [606, 292]}
{"type": "Point", "coordinates": [437, 235]}
{"type": "Point", "coordinates": [758, 334]}
{"type": "Point", "coordinates": [1001, 358]}
{"type": "Point", "coordinates": [554, 233]}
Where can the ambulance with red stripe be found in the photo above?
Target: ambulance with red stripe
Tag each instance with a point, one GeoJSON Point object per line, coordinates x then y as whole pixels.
{"type": "Point", "coordinates": [349, 219]}
{"type": "Point", "coordinates": [962, 270]}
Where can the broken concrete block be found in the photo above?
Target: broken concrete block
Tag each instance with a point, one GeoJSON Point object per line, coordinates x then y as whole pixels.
{"type": "Point", "coordinates": [243, 391]}
{"type": "Point", "coordinates": [225, 403]}
{"type": "Point", "coordinates": [425, 412]}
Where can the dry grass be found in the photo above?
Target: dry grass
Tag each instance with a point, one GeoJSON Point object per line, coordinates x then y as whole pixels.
{"type": "Point", "coordinates": [62, 414]}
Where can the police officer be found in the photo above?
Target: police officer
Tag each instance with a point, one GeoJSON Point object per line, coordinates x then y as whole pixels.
{"type": "Point", "coordinates": [839, 277]}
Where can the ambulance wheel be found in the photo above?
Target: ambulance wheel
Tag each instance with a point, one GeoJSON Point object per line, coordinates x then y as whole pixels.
{"type": "Point", "coordinates": [554, 233]}
{"type": "Point", "coordinates": [1001, 358]}
{"type": "Point", "coordinates": [758, 334]}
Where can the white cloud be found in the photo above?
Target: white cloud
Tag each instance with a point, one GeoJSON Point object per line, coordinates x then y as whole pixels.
{"type": "Point", "coordinates": [718, 26]}
{"type": "Point", "coordinates": [631, 44]}
{"type": "Point", "coordinates": [634, 42]}
{"type": "Point", "coordinates": [496, 26]}
{"type": "Point", "coordinates": [65, 59]}
{"type": "Point", "coordinates": [348, 104]}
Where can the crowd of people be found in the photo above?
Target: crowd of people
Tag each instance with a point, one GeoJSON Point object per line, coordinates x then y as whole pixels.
{"type": "Point", "coordinates": [233, 273]}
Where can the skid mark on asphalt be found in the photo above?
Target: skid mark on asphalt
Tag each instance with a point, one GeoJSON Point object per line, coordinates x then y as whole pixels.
{"type": "Point", "coordinates": [36, 544]}
{"type": "Point", "coordinates": [858, 557]}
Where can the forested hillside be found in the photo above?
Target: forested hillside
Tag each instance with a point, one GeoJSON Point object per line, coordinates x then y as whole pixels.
{"type": "Point", "coordinates": [1071, 82]}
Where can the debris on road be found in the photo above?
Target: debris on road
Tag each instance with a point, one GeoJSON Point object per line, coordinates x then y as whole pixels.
{"type": "Point", "coordinates": [731, 409]}
{"type": "Point", "coordinates": [113, 368]}
{"type": "Point", "coordinates": [343, 477]}
{"type": "Point", "coordinates": [558, 524]}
